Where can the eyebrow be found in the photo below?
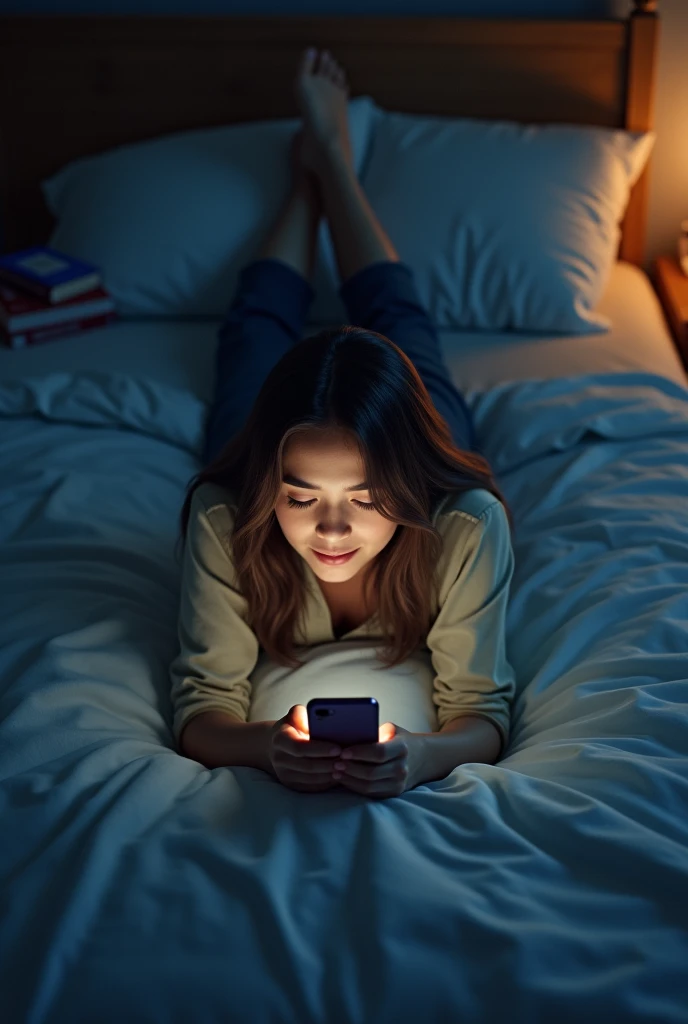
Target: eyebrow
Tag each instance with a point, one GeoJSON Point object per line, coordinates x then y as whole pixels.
{"type": "Point", "coordinates": [296, 481]}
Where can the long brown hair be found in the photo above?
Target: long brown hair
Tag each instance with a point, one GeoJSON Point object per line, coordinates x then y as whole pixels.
{"type": "Point", "coordinates": [359, 381]}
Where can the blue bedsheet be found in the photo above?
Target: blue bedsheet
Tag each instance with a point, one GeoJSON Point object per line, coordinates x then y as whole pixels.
{"type": "Point", "coordinates": [137, 886]}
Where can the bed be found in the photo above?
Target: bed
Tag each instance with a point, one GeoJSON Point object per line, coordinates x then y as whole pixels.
{"type": "Point", "coordinates": [137, 885]}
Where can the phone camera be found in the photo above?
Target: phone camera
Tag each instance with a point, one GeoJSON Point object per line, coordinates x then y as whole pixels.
{"type": "Point", "coordinates": [322, 712]}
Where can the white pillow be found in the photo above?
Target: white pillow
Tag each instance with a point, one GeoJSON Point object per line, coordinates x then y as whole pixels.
{"type": "Point", "coordinates": [506, 226]}
{"type": "Point", "coordinates": [172, 220]}
{"type": "Point", "coordinates": [347, 668]}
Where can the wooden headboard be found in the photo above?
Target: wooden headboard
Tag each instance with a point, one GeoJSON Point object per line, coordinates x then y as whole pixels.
{"type": "Point", "coordinates": [73, 86]}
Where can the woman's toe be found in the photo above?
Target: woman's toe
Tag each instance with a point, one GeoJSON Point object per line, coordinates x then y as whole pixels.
{"type": "Point", "coordinates": [338, 74]}
{"type": "Point", "coordinates": [309, 58]}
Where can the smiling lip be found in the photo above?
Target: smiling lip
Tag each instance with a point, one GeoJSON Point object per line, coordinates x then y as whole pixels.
{"type": "Point", "coordinates": [334, 559]}
{"type": "Point", "coordinates": [334, 554]}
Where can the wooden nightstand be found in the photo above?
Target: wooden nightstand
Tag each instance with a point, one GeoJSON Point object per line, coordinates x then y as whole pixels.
{"type": "Point", "coordinates": [672, 287]}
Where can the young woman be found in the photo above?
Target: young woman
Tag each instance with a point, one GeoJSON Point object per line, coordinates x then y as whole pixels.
{"type": "Point", "coordinates": [351, 442]}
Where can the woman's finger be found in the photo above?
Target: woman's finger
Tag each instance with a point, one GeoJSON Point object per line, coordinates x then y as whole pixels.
{"type": "Point", "coordinates": [379, 753]}
{"type": "Point", "coordinates": [295, 744]}
{"type": "Point", "coordinates": [307, 766]}
{"type": "Point", "coordinates": [395, 769]}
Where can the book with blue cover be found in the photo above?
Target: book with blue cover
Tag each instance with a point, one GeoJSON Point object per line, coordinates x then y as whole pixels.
{"type": "Point", "coordinates": [52, 275]}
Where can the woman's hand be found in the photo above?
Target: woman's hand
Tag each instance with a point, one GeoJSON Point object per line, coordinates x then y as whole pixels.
{"type": "Point", "coordinates": [386, 768]}
{"type": "Point", "coordinates": [298, 761]}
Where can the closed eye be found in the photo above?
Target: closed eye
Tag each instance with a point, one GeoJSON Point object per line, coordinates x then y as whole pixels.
{"type": "Point", "coordinates": [293, 503]}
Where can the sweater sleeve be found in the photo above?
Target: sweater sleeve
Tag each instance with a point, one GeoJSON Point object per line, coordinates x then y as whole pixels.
{"type": "Point", "coordinates": [467, 641]}
{"type": "Point", "coordinates": [217, 649]}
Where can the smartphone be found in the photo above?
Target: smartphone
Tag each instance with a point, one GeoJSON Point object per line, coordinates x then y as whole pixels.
{"type": "Point", "coordinates": [344, 720]}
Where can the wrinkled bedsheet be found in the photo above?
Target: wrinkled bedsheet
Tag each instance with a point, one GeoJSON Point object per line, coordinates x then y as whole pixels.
{"type": "Point", "coordinates": [138, 886]}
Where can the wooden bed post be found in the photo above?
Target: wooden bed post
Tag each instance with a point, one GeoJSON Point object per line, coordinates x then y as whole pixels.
{"type": "Point", "coordinates": [643, 28]}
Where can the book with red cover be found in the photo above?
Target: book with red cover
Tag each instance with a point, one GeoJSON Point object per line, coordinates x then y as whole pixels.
{"type": "Point", "coordinates": [50, 274]}
{"type": "Point", "coordinates": [20, 312]}
{"type": "Point", "coordinates": [35, 337]}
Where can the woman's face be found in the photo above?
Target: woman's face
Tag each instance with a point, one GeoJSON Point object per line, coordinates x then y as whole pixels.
{"type": "Point", "coordinates": [329, 517]}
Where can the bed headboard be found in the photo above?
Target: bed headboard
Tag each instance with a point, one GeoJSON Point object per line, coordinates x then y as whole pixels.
{"type": "Point", "coordinates": [73, 86]}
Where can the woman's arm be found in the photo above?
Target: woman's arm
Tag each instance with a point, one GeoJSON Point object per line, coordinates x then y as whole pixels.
{"type": "Point", "coordinates": [217, 739]}
{"type": "Point", "coordinates": [459, 741]}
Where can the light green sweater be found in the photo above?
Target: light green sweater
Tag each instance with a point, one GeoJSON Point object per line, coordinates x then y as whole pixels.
{"type": "Point", "coordinates": [466, 643]}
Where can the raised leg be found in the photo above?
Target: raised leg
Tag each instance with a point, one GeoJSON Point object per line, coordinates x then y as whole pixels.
{"type": "Point", "coordinates": [293, 238]}
{"type": "Point", "coordinates": [322, 93]}
{"type": "Point", "coordinates": [358, 237]}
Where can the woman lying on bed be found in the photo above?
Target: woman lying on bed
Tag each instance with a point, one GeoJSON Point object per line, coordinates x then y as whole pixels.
{"type": "Point", "coordinates": [353, 441]}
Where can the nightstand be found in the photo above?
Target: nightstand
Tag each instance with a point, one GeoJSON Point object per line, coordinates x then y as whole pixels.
{"type": "Point", "coordinates": [672, 287]}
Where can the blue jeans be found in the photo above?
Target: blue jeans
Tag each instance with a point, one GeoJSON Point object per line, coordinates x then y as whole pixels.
{"type": "Point", "coordinates": [268, 316]}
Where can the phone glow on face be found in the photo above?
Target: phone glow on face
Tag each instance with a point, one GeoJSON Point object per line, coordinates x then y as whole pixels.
{"type": "Point", "coordinates": [330, 518]}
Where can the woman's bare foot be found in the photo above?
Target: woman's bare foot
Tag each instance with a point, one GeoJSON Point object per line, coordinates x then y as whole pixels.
{"type": "Point", "coordinates": [322, 93]}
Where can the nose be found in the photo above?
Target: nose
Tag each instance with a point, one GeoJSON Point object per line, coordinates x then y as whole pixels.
{"type": "Point", "coordinates": [325, 529]}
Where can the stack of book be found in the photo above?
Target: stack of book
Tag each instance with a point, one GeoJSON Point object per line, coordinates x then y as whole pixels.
{"type": "Point", "coordinates": [45, 294]}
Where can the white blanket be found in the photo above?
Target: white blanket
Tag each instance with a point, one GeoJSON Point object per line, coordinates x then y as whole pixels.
{"type": "Point", "coordinates": [135, 885]}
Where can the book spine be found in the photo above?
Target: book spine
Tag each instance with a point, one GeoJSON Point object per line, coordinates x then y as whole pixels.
{"type": "Point", "coordinates": [21, 322]}
{"type": "Point", "coordinates": [38, 288]}
{"type": "Point", "coordinates": [53, 295]}
{"type": "Point", "coordinates": [58, 330]}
